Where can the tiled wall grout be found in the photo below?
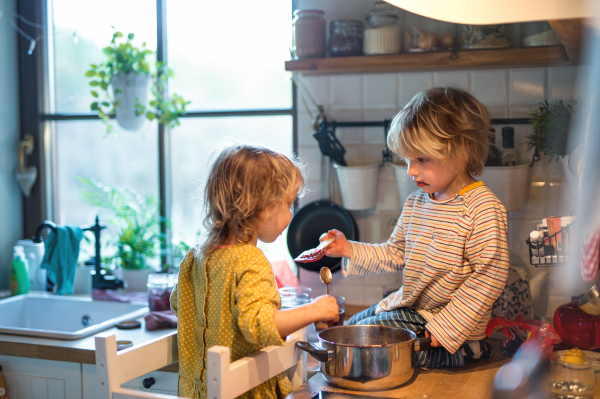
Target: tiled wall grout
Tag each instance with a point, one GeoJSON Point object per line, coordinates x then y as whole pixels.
{"type": "Point", "coordinates": [507, 92]}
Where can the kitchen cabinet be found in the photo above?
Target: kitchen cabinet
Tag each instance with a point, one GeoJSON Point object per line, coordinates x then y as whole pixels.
{"type": "Point", "coordinates": [522, 57]}
{"type": "Point", "coordinates": [26, 378]}
{"type": "Point", "coordinates": [164, 382]}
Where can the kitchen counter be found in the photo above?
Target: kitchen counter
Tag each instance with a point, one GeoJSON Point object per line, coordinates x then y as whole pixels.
{"type": "Point", "coordinates": [76, 351]}
{"type": "Point", "coordinates": [474, 380]}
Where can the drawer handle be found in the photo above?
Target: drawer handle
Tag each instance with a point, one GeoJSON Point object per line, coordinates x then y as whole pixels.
{"type": "Point", "coordinates": [148, 382]}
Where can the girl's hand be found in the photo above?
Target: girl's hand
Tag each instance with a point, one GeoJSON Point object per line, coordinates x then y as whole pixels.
{"type": "Point", "coordinates": [434, 342]}
{"type": "Point", "coordinates": [340, 247]}
{"type": "Point", "coordinates": [326, 308]}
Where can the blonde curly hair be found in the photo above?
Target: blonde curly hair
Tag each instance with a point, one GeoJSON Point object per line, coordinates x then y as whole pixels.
{"type": "Point", "coordinates": [445, 124]}
{"type": "Point", "coordinates": [243, 181]}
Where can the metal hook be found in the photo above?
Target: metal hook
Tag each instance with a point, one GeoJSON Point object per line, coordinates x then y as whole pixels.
{"type": "Point", "coordinates": [536, 157]}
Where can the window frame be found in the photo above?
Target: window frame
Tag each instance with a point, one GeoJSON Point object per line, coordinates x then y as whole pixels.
{"type": "Point", "coordinates": [37, 116]}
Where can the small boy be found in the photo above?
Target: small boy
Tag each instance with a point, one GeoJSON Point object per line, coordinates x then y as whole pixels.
{"type": "Point", "coordinates": [450, 241]}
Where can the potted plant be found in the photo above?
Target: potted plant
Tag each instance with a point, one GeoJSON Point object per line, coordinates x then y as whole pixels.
{"type": "Point", "coordinates": [551, 128]}
{"type": "Point", "coordinates": [127, 71]}
{"type": "Point", "coordinates": [137, 221]}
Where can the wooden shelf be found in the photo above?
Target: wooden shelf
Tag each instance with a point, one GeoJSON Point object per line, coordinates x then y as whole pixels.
{"type": "Point", "coordinates": [532, 56]}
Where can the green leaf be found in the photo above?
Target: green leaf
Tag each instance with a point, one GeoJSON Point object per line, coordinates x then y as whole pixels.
{"type": "Point", "coordinates": [104, 86]}
{"type": "Point", "coordinates": [150, 115]}
{"type": "Point", "coordinates": [94, 93]}
{"type": "Point", "coordinates": [106, 103]}
{"type": "Point", "coordinates": [118, 34]}
{"type": "Point", "coordinates": [93, 66]}
{"type": "Point", "coordinates": [90, 73]}
{"type": "Point", "coordinates": [94, 83]}
{"type": "Point", "coordinates": [130, 36]}
{"type": "Point", "coordinates": [94, 106]}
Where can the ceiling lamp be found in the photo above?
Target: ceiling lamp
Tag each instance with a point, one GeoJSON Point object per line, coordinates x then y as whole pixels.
{"type": "Point", "coordinates": [489, 12]}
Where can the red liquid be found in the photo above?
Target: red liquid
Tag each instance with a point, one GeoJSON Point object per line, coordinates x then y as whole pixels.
{"type": "Point", "coordinates": [321, 325]}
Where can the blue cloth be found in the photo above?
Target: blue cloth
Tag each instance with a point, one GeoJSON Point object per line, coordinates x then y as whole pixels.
{"type": "Point", "coordinates": [411, 320]}
{"type": "Point", "coordinates": [60, 257]}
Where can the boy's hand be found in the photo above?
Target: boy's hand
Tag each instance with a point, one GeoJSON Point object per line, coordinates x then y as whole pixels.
{"type": "Point", "coordinates": [434, 341]}
{"type": "Point", "coordinates": [340, 247]}
{"type": "Point", "coordinates": [326, 308]}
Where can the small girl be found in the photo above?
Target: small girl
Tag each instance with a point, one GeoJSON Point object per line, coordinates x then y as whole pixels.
{"type": "Point", "coordinates": [450, 241]}
{"type": "Point", "coordinates": [226, 294]}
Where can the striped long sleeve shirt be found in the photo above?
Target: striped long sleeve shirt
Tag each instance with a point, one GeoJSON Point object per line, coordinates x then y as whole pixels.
{"type": "Point", "coordinates": [454, 258]}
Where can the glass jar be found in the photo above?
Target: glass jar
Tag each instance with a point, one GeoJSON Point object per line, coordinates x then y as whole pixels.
{"type": "Point", "coordinates": [540, 33]}
{"type": "Point", "coordinates": [423, 34]}
{"type": "Point", "coordinates": [478, 37]}
{"type": "Point", "coordinates": [160, 286]}
{"type": "Point", "coordinates": [382, 35]}
{"type": "Point", "coordinates": [309, 34]}
{"type": "Point", "coordinates": [345, 38]}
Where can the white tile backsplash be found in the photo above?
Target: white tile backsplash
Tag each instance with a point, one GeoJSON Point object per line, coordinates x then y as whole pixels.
{"type": "Point", "coordinates": [506, 92]}
{"type": "Point", "coordinates": [380, 90]}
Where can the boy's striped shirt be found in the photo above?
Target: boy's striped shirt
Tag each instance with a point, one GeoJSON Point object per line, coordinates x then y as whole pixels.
{"type": "Point", "coordinates": [454, 257]}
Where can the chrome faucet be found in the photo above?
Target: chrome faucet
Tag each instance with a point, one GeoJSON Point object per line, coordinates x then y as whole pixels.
{"type": "Point", "coordinates": [100, 280]}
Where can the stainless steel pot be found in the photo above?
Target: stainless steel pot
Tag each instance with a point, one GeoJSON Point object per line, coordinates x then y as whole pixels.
{"type": "Point", "coordinates": [365, 358]}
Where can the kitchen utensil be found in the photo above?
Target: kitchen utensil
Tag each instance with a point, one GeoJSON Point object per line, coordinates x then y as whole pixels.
{"type": "Point", "coordinates": [576, 327]}
{"type": "Point", "coordinates": [365, 357]}
{"type": "Point", "coordinates": [314, 254]}
{"type": "Point", "coordinates": [326, 277]}
{"type": "Point", "coordinates": [590, 302]}
{"type": "Point", "coordinates": [573, 379]}
{"type": "Point", "coordinates": [330, 145]}
{"type": "Point", "coordinates": [310, 222]}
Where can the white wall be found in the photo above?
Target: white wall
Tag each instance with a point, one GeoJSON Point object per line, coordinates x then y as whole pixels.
{"type": "Point", "coordinates": [507, 92]}
{"type": "Point", "coordinates": [11, 220]}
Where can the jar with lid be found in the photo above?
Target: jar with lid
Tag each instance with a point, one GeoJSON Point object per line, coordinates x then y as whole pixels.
{"type": "Point", "coordinates": [382, 35]}
{"type": "Point", "coordinates": [479, 37]}
{"type": "Point", "coordinates": [539, 33]}
{"type": "Point", "coordinates": [425, 34]}
{"type": "Point", "coordinates": [309, 34]}
{"type": "Point", "coordinates": [160, 286]}
{"type": "Point", "coordinates": [345, 38]}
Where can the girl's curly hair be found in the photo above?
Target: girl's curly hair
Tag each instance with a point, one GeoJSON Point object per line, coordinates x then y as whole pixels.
{"type": "Point", "coordinates": [243, 181]}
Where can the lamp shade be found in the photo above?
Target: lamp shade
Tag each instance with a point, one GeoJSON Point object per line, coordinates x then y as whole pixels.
{"type": "Point", "coordinates": [489, 12]}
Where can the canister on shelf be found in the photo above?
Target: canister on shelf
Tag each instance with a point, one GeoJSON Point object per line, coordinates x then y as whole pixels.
{"type": "Point", "coordinates": [345, 38]}
{"type": "Point", "coordinates": [538, 33]}
{"type": "Point", "coordinates": [382, 35]}
{"type": "Point", "coordinates": [479, 37]}
{"type": "Point", "coordinates": [309, 34]}
{"type": "Point", "coordinates": [426, 34]}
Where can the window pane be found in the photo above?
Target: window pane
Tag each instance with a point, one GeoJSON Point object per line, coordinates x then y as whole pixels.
{"type": "Point", "coordinates": [80, 35]}
{"type": "Point", "coordinates": [230, 54]}
{"type": "Point", "coordinates": [193, 144]}
{"type": "Point", "coordinates": [124, 159]}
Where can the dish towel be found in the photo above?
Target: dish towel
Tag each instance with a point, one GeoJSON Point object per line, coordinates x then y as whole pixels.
{"type": "Point", "coordinates": [60, 257]}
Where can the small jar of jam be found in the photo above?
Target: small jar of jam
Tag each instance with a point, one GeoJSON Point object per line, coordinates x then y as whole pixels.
{"type": "Point", "coordinates": [345, 38]}
{"type": "Point", "coordinates": [309, 34]}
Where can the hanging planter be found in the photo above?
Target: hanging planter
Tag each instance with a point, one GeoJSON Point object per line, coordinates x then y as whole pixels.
{"type": "Point", "coordinates": [358, 185]}
{"type": "Point", "coordinates": [128, 73]}
{"type": "Point", "coordinates": [406, 185]}
{"type": "Point", "coordinates": [129, 91]}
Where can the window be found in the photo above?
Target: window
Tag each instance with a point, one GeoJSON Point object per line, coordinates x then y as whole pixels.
{"type": "Point", "coordinates": [228, 61]}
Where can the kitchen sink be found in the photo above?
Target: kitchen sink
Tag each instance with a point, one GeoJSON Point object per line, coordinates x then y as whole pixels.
{"type": "Point", "coordinates": [51, 316]}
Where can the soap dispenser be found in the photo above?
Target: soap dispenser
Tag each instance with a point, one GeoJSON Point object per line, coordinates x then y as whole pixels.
{"type": "Point", "coordinates": [19, 273]}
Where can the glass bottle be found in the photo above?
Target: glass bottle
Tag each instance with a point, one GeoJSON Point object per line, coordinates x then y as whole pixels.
{"type": "Point", "coordinates": [425, 34]}
{"type": "Point", "coordinates": [493, 158]}
{"type": "Point", "coordinates": [160, 286]}
{"type": "Point", "coordinates": [479, 37]}
{"type": "Point", "coordinates": [509, 154]}
{"type": "Point", "coordinates": [345, 38]}
{"type": "Point", "coordinates": [539, 33]}
{"type": "Point", "coordinates": [309, 34]}
{"type": "Point", "coordinates": [382, 35]}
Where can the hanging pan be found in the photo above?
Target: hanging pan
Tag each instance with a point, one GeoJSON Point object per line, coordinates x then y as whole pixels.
{"type": "Point", "coordinates": [310, 222]}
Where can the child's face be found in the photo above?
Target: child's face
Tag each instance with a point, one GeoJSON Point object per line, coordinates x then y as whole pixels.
{"type": "Point", "coordinates": [275, 219]}
{"type": "Point", "coordinates": [434, 177]}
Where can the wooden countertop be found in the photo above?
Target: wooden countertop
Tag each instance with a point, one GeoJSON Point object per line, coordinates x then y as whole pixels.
{"type": "Point", "coordinates": [474, 380]}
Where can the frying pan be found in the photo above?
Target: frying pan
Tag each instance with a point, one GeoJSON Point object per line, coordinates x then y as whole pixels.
{"type": "Point", "coordinates": [312, 220]}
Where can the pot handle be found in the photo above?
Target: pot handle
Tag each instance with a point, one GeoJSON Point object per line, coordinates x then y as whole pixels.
{"type": "Point", "coordinates": [422, 343]}
{"type": "Point", "coordinates": [316, 351]}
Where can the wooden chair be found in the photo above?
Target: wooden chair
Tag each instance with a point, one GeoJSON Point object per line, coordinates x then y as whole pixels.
{"type": "Point", "coordinates": [226, 380]}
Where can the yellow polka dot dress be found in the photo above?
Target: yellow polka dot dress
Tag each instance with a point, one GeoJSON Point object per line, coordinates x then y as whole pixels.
{"type": "Point", "coordinates": [229, 299]}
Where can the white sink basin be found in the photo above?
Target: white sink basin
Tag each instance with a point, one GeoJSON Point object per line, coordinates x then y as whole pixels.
{"type": "Point", "coordinates": [51, 316]}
